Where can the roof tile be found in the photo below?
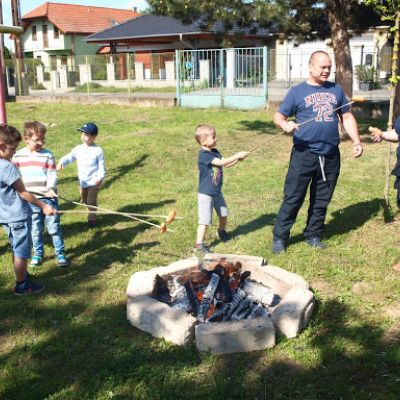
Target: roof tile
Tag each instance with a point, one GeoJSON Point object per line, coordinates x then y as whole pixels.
{"type": "Point", "coordinates": [72, 18]}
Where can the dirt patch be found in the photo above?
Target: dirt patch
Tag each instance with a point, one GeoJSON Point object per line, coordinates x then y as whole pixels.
{"type": "Point", "coordinates": [362, 288]}
{"type": "Point", "coordinates": [392, 310]}
{"type": "Point", "coordinates": [324, 289]}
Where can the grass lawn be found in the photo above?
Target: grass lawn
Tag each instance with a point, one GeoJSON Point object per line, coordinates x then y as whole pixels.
{"type": "Point", "coordinates": [93, 88]}
{"type": "Point", "coordinates": [73, 341]}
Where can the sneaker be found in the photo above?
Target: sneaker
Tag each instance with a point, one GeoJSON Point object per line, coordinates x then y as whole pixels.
{"type": "Point", "coordinates": [36, 261]}
{"type": "Point", "coordinates": [278, 246]}
{"type": "Point", "coordinates": [62, 261]}
{"type": "Point", "coordinates": [315, 242]}
{"type": "Point", "coordinates": [27, 287]}
{"type": "Point", "coordinates": [202, 248]}
{"type": "Point", "coordinates": [223, 235]}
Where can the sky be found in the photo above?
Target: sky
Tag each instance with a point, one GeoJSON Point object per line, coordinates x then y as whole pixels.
{"type": "Point", "coordinates": [28, 5]}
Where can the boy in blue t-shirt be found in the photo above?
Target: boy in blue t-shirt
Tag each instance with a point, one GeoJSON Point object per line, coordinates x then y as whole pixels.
{"type": "Point", "coordinates": [210, 164]}
{"type": "Point", "coordinates": [390, 136]}
{"type": "Point", "coordinates": [15, 213]}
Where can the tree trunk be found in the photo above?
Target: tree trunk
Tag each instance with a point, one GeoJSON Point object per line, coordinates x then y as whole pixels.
{"type": "Point", "coordinates": [341, 46]}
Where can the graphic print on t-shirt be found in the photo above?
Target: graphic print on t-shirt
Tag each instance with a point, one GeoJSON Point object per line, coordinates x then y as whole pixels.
{"type": "Point", "coordinates": [322, 104]}
{"type": "Point", "coordinates": [216, 175]}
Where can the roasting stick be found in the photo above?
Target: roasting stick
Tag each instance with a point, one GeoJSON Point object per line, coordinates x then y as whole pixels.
{"type": "Point", "coordinates": [163, 227]}
{"type": "Point", "coordinates": [354, 99]}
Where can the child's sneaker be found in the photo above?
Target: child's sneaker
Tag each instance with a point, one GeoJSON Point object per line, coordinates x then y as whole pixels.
{"type": "Point", "coordinates": [223, 235]}
{"type": "Point", "coordinates": [27, 287]}
{"type": "Point", "coordinates": [62, 261]}
{"type": "Point", "coordinates": [36, 261]}
{"type": "Point", "coordinates": [202, 248]}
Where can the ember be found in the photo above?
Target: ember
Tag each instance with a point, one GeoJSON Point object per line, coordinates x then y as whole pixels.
{"type": "Point", "coordinates": [223, 292]}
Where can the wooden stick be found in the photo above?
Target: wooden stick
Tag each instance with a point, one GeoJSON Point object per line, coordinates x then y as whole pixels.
{"type": "Point", "coordinates": [118, 213]}
{"type": "Point", "coordinates": [306, 122]}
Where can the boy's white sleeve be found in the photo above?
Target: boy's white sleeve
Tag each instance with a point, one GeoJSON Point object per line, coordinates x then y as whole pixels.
{"type": "Point", "coordinates": [51, 182]}
{"type": "Point", "coordinates": [101, 173]}
{"type": "Point", "coordinates": [69, 158]}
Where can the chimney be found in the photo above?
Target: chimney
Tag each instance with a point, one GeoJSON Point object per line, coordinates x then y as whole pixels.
{"type": "Point", "coordinates": [135, 9]}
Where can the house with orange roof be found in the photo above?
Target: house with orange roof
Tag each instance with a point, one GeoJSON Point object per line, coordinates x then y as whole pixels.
{"type": "Point", "coordinates": [53, 32]}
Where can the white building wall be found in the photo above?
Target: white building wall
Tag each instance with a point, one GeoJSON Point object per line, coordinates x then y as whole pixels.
{"type": "Point", "coordinates": [291, 61]}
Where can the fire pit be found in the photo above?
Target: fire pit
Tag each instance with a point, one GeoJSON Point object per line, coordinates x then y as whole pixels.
{"type": "Point", "coordinates": [226, 303]}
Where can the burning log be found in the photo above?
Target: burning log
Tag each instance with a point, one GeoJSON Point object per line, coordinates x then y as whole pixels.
{"type": "Point", "coordinates": [259, 292]}
{"type": "Point", "coordinates": [222, 292]}
{"type": "Point", "coordinates": [238, 297]}
{"type": "Point", "coordinates": [242, 309]}
{"type": "Point", "coordinates": [208, 297]}
{"type": "Point", "coordinates": [192, 299]}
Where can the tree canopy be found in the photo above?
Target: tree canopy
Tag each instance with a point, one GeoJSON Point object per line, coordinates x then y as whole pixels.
{"type": "Point", "coordinates": [300, 20]}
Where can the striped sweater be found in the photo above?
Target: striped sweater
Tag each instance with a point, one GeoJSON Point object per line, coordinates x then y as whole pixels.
{"type": "Point", "coordinates": [37, 168]}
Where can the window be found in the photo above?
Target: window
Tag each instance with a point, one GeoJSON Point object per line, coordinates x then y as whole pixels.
{"type": "Point", "coordinates": [368, 59]}
{"type": "Point", "coordinates": [34, 34]}
{"type": "Point", "coordinates": [56, 33]}
{"type": "Point", "coordinates": [53, 62]}
{"type": "Point", "coordinates": [45, 38]}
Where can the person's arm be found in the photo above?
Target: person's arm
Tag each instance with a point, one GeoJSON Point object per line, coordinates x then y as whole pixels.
{"type": "Point", "coordinates": [378, 135]}
{"type": "Point", "coordinates": [101, 172]}
{"type": "Point", "coordinates": [67, 159]}
{"type": "Point", "coordinates": [229, 161]}
{"type": "Point", "coordinates": [20, 189]}
{"type": "Point", "coordinates": [350, 125]}
{"type": "Point", "coordinates": [51, 176]}
{"type": "Point", "coordinates": [281, 121]}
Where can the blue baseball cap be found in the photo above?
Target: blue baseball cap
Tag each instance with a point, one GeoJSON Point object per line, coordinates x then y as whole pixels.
{"type": "Point", "coordinates": [397, 125]}
{"type": "Point", "coordinates": [89, 128]}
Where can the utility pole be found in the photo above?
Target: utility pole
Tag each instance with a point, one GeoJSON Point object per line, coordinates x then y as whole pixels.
{"type": "Point", "coordinates": [3, 69]}
{"type": "Point", "coordinates": [19, 56]}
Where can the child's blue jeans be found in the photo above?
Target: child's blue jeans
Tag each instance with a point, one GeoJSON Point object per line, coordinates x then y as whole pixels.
{"type": "Point", "coordinates": [53, 226]}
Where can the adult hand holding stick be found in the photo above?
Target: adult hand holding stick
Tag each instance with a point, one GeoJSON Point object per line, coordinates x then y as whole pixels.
{"type": "Point", "coordinates": [290, 126]}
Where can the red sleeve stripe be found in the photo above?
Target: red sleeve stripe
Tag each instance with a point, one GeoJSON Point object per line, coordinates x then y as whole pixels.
{"type": "Point", "coordinates": [23, 164]}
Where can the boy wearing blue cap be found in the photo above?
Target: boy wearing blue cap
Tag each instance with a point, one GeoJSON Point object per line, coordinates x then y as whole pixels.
{"type": "Point", "coordinates": [91, 170]}
{"type": "Point", "coordinates": [390, 136]}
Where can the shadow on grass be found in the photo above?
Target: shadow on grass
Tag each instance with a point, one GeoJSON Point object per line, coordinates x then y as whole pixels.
{"type": "Point", "coordinates": [251, 226]}
{"type": "Point", "coordinates": [94, 353]}
{"type": "Point", "coordinates": [112, 174]}
{"type": "Point", "coordinates": [116, 173]}
{"type": "Point", "coordinates": [347, 219]}
{"type": "Point", "coordinates": [357, 361]}
{"type": "Point", "coordinates": [258, 126]}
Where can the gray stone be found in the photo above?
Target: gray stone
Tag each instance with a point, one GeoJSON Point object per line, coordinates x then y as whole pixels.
{"type": "Point", "coordinates": [142, 283]}
{"type": "Point", "coordinates": [180, 266]}
{"type": "Point", "coordinates": [235, 336]}
{"type": "Point", "coordinates": [293, 313]}
{"type": "Point", "coordinates": [160, 320]}
{"type": "Point", "coordinates": [245, 260]}
{"type": "Point", "coordinates": [278, 279]}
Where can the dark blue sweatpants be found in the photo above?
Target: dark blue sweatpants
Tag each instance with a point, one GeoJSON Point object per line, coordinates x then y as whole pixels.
{"type": "Point", "coordinates": [304, 171]}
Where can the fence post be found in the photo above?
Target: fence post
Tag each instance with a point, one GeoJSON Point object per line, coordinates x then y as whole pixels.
{"type": "Point", "coordinates": [128, 61]}
{"type": "Point", "coordinates": [87, 74]}
{"type": "Point", "coordinates": [265, 72]}
{"type": "Point", "coordinates": [221, 74]}
{"type": "Point", "coordinates": [178, 77]}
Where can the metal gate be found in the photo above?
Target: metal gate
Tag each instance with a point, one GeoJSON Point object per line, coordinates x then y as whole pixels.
{"type": "Point", "coordinates": [232, 78]}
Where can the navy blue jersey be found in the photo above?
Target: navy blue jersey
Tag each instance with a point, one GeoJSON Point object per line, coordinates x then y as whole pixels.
{"type": "Point", "coordinates": [305, 101]}
{"type": "Point", "coordinates": [210, 176]}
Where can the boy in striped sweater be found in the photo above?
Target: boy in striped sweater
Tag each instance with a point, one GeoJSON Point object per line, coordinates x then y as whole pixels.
{"type": "Point", "coordinates": [38, 170]}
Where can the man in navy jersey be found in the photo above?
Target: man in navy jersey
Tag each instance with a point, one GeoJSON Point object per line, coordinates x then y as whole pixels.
{"type": "Point", "coordinates": [315, 157]}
